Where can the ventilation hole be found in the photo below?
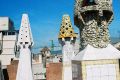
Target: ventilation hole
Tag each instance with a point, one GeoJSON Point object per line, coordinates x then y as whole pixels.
{"type": "Point", "coordinates": [26, 36]}
{"type": "Point", "coordinates": [63, 26]}
{"type": "Point", "coordinates": [70, 31]}
{"type": "Point", "coordinates": [62, 32]}
{"type": "Point", "coordinates": [26, 42]}
{"type": "Point", "coordinates": [23, 46]}
{"type": "Point", "coordinates": [21, 38]}
{"type": "Point", "coordinates": [66, 23]}
{"type": "Point", "coordinates": [69, 26]}
{"type": "Point", "coordinates": [66, 28]}
{"type": "Point", "coordinates": [21, 42]}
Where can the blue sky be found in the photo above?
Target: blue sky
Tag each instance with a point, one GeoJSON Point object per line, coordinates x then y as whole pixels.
{"type": "Point", "coordinates": [45, 17]}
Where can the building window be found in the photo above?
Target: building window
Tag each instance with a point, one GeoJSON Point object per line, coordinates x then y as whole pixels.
{"type": "Point", "coordinates": [9, 33]}
{"type": "Point", "coordinates": [13, 33]}
{"type": "Point", "coordinates": [4, 33]}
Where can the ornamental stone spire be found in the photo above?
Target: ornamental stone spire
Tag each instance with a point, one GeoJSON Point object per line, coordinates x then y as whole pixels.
{"type": "Point", "coordinates": [25, 42]}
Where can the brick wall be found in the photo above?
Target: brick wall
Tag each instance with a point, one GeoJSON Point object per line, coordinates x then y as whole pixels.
{"type": "Point", "coordinates": [54, 71]}
{"type": "Point", "coordinates": [12, 70]}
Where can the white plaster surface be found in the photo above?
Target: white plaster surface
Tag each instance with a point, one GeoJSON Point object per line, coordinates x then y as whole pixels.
{"type": "Point", "coordinates": [4, 23]}
{"type": "Point", "coordinates": [91, 53]}
{"type": "Point", "coordinates": [24, 71]}
{"type": "Point", "coordinates": [101, 72]}
{"type": "Point", "coordinates": [68, 53]}
{"type": "Point", "coordinates": [25, 34]}
{"type": "Point", "coordinates": [38, 71]}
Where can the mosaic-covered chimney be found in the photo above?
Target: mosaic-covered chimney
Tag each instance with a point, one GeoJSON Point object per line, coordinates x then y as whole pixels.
{"type": "Point", "coordinates": [66, 30]}
{"type": "Point", "coordinates": [93, 17]}
{"type": "Point", "coordinates": [67, 39]}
